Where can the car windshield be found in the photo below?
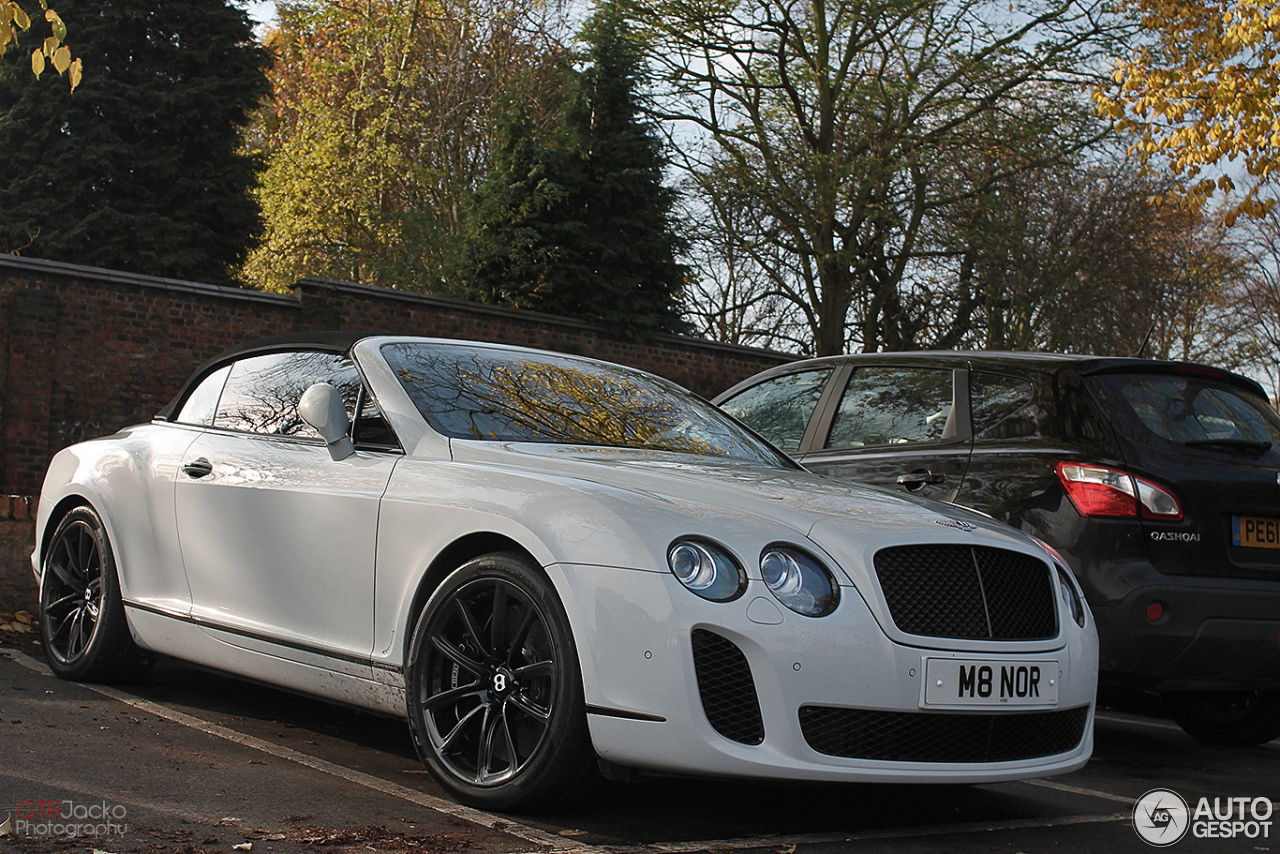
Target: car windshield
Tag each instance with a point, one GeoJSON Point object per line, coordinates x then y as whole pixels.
{"type": "Point", "coordinates": [491, 394]}
{"type": "Point", "coordinates": [1195, 411]}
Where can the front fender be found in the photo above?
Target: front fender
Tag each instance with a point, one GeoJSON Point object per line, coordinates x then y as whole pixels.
{"type": "Point", "coordinates": [128, 481]}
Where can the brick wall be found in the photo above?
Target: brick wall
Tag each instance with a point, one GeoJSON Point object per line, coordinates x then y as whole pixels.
{"type": "Point", "coordinates": [85, 351]}
{"type": "Point", "coordinates": [17, 530]}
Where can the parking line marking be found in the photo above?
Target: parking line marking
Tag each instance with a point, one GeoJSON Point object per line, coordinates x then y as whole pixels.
{"type": "Point", "coordinates": [1078, 790]}
{"type": "Point", "coordinates": [546, 842]}
{"type": "Point", "coordinates": [1127, 719]}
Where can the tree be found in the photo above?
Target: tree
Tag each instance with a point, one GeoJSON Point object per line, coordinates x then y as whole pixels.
{"type": "Point", "coordinates": [14, 19]}
{"type": "Point", "coordinates": [583, 226]}
{"type": "Point", "coordinates": [830, 125]}
{"type": "Point", "coordinates": [377, 133]}
{"type": "Point", "coordinates": [140, 168]}
{"type": "Point", "coordinates": [1077, 257]}
{"type": "Point", "coordinates": [521, 250]}
{"type": "Point", "coordinates": [1082, 259]}
{"type": "Point", "coordinates": [1203, 92]}
{"type": "Point", "coordinates": [1257, 299]}
{"type": "Point", "coordinates": [733, 300]}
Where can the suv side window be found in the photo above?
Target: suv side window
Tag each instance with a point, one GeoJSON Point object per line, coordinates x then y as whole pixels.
{"type": "Point", "coordinates": [779, 409]}
{"type": "Point", "coordinates": [262, 392]}
{"type": "Point", "coordinates": [1001, 407]}
{"type": "Point", "coordinates": [893, 406]}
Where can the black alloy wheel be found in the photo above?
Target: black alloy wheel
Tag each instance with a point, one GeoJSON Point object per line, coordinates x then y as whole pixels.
{"type": "Point", "coordinates": [82, 622]}
{"type": "Point", "coordinates": [494, 690]}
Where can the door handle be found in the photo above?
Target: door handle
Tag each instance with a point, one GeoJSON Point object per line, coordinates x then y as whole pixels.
{"type": "Point", "coordinates": [198, 468]}
{"type": "Point", "coordinates": [918, 478]}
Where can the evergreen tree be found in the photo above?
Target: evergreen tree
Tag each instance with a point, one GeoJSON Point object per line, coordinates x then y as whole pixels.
{"type": "Point", "coordinates": [581, 225]}
{"type": "Point", "coordinates": [140, 168]}
{"type": "Point", "coordinates": [523, 245]}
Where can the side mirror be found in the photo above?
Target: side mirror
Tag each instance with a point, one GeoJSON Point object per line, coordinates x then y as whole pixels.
{"type": "Point", "coordinates": [321, 407]}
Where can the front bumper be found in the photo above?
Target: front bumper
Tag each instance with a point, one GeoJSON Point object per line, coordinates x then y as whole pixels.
{"type": "Point", "coordinates": [747, 688]}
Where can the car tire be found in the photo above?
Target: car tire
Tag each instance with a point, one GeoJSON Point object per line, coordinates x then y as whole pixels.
{"type": "Point", "coordinates": [1228, 718]}
{"type": "Point", "coordinates": [83, 629]}
{"type": "Point", "coordinates": [494, 689]}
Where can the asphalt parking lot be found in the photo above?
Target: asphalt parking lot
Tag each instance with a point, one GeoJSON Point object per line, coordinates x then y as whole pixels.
{"type": "Point", "coordinates": [191, 762]}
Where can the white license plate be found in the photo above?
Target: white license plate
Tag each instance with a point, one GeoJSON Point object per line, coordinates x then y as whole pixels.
{"type": "Point", "coordinates": [972, 682]}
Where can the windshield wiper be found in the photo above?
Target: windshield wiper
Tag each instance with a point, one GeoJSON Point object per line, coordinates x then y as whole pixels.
{"type": "Point", "coordinates": [1249, 446]}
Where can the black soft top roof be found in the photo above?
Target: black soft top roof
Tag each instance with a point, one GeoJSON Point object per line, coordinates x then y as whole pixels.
{"type": "Point", "coordinates": [323, 342]}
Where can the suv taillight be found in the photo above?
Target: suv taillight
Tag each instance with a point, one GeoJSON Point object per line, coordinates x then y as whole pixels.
{"type": "Point", "coordinates": [1103, 491]}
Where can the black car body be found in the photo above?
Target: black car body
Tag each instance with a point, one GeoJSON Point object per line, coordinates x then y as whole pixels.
{"type": "Point", "coordinates": [1159, 482]}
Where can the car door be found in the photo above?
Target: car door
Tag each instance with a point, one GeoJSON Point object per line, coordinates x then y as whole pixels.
{"type": "Point", "coordinates": [277, 538]}
{"type": "Point", "coordinates": [1017, 439]}
{"type": "Point", "coordinates": [899, 426]}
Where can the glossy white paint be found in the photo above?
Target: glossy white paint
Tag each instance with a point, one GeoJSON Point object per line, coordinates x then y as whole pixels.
{"type": "Point", "coordinates": [278, 540]}
{"type": "Point", "coordinates": [289, 566]}
{"type": "Point", "coordinates": [321, 407]}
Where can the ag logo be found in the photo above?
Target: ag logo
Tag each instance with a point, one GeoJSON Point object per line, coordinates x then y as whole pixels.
{"type": "Point", "coordinates": [1161, 817]}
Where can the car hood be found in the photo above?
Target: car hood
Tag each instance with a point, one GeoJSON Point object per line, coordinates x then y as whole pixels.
{"type": "Point", "coordinates": [727, 489]}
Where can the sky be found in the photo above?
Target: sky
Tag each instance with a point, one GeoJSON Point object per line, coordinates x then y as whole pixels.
{"type": "Point", "coordinates": [261, 11]}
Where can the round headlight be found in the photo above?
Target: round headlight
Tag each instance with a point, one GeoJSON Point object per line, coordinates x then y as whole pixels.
{"type": "Point", "coordinates": [799, 581]}
{"type": "Point", "coordinates": [706, 569]}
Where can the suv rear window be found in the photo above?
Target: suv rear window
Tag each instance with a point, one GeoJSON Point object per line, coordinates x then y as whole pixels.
{"type": "Point", "coordinates": [1191, 410]}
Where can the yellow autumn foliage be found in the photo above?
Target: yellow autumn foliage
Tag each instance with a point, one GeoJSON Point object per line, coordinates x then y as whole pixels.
{"type": "Point", "coordinates": [14, 19]}
{"type": "Point", "coordinates": [1205, 93]}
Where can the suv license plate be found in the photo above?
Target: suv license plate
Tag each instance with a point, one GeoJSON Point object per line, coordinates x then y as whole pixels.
{"type": "Point", "coordinates": [973, 682]}
{"type": "Point", "coordinates": [1255, 532]}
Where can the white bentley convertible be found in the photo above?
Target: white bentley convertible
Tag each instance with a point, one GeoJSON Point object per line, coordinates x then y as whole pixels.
{"type": "Point", "coordinates": [552, 565]}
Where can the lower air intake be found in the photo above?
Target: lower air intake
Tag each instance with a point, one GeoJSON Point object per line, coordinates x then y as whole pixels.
{"type": "Point", "coordinates": [940, 737]}
{"type": "Point", "coordinates": [726, 687]}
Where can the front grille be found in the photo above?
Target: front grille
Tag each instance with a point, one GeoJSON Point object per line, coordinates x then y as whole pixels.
{"type": "Point", "coordinates": [937, 737]}
{"type": "Point", "coordinates": [957, 591]}
{"type": "Point", "coordinates": [727, 689]}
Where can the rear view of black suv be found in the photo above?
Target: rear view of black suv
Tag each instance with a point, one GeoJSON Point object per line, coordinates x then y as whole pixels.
{"type": "Point", "coordinates": [1157, 482]}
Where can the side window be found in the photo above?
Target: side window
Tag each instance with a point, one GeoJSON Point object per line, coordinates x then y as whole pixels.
{"type": "Point", "coordinates": [262, 392]}
{"type": "Point", "coordinates": [779, 409]}
{"type": "Point", "coordinates": [371, 429]}
{"type": "Point", "coordinates": [893, 406]}
{"type": "Point", "coordinates": [1002, 407]}
{"type": "Point", "coordinates": [203, 402]}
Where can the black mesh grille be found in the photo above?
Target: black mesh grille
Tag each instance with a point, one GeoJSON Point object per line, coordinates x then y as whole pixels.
{"type": "Point", "coordinates": [935, 737]}
{"type": "Point", "coordinates": [956, 591]}
{"type": "Point", "coordinates": [727, 690]}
